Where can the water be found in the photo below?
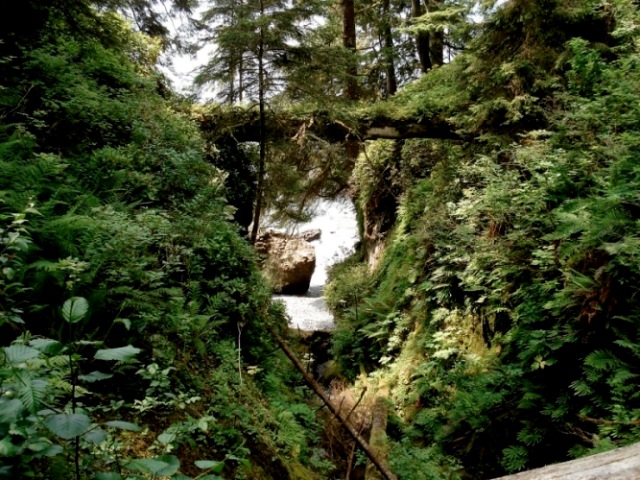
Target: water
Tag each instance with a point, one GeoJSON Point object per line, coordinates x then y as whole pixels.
{"type": "Point", "coordinates": [337, 221]}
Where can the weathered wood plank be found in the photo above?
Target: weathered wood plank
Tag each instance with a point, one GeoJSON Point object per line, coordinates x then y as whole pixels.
{"type": "Point", "coordinates": [620, 464]}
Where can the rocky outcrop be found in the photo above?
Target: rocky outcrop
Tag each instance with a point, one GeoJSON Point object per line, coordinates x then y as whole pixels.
{"type": "Point", "coordinates": [289, 261]}
{"type": "Point", "coordinates": [311, 235]}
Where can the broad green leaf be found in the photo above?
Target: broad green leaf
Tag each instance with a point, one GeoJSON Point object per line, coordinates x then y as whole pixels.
{"type": "Point", "coordinates": [210, 464]}
{"type": "Point", "coordinates": [166, 438]}
{"type": "Point", "coordinates": [46, 345]}
{"type": "Point", "coordinates": [51, 451]}
{"type": "Point", "coordinates": [16, 319]}
{"type": "Point", "coordinates": [241, 461]}
{"type": "Point", "coordinates": [118, 354]}
{"type": "Point", "coordinates": [31, 391]}
{"type": "Point", "coordinates": [147, 465]}
{"type": "Point", "coordinates": [125, 321]}
{"type": "Point", "coordinates": [10, 410]}
{"type": "Point", "coordinates": [173, 465]}
{"type": "Point", "coordinates": [75, 309]}
{"type": "Point", "coordinates": [108, 476]}
{"type": "Point", "coordinates": [9, 273]}
{"type": "Point", "coordinates": [89, 342]}
{"type": "Point", "coordinates": [8, 449]}
{"type": "Point", "coordinates": [68, 425]}
{"type": "Point", "coordinates": [210, 477]}
{"type": "Point", "coordinates": [95, 436]}
{"type": "Point", "coordinates": [40, 446]}
{"type": "Point", "coordinates": [95, 376]}
{"type": "Point", "coordinates": [46, 412]}
{"type": "Point", "coordinates": [16, 354]}
{"type": "Point", "coordinates": [123, 425]}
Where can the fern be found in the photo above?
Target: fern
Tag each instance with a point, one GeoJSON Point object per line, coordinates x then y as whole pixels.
{"type": "Point", "coordinates": [514, 458]}
{"type": "Point", "coordinates": [602, 360]}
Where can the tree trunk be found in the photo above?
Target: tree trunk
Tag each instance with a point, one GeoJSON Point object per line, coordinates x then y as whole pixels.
{"type": "Point", "coordinates": [436, 40]}
{"type": "Point", "coordinates": [352, 145]}
{"type": "Point", "coordinates": [349, 42]}
{"type": "Point", "coordinates": [378, 437]}
{"type": "Point", "coordinates": [422, 39]}
{"type": "Point", "coordinates": [379, 463]}
{"type": "Point", "coordinates": [241, 78]}
{"type": "Point", "coordinates": [389, 51]}
{"type": "Point", "coordinates": [240, 68]}
{"type": "Point", "coordinates": [244, 126]}
{"type": "Point", "coordinates": [263, 134]}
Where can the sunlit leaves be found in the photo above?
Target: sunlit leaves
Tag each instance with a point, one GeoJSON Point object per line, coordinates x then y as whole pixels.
{"type": "Point", "coordinates": [164, 465]}
{"type": "Point", "coordinates": [75, 309]}
{"type": "Point", "coordinates": [17, 353]}
{"type": "Point", "coordinates": [132, 427]}
{"type": "Point", "coordinates": [120, 354]}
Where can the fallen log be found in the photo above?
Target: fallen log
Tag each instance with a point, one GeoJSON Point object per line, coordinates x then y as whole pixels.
{"type": "Point", "coordinates": [378, 438]}
{"type": "Point", "coordinates": [620, 464]}
{"type": "Point", "coordinates": [242, 124]}
{"type": "Point", "coordinates": [317, 388]}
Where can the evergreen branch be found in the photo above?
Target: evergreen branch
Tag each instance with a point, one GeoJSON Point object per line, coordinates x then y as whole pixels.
{"type": "Point", "coordinates": [602, 421]}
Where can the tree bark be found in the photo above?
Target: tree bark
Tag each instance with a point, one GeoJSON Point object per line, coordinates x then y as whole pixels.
{"type": "Point", "coordinates": [389, 50]}
{"type": "Point", "coordinates": [436, 39]}
{"type": "Point", "coordinates": [263, 132]}
{"type": "Point", "coordinates": [244, 126]}
{"type": "Point", "coordinates": [349, 42]}
{"type": "Point", "coordinates": [241, 68]}
{"type": "Point", "coordinates": [241, 78]}
{"type": "Point", "coordinates": [378, 437]}
{"type": "Point", "coordinates": [421, 39]}
{"type": "Point", "coordinates": [317, 388]}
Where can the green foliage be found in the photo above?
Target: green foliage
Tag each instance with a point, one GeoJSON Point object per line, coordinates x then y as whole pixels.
{"type": "Point", "coordinates": [238, 28]}
{"type": "Point", "coordinates": [133, 229]}
{"type": "Point", "coordinates": [502, 312]}
{"type": "Point", "coordinates": [422, 463]}
{"type": "Point", "coordinates": [14, 243]}
{"type": "Point", "coordinates": [41, 403]}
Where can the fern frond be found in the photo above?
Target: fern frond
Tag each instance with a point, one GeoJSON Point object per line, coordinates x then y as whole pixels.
{"type": "Point", "coordinates": [602, 360]}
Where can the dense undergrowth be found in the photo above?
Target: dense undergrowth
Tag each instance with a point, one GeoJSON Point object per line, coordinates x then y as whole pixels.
{"type": "Point", "coordinates": [502, 318]}
{"type": "Point", "coordinates": [132, 312]}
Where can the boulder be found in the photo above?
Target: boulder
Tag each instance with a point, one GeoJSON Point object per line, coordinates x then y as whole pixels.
{"type": "Point", "coordinates": [289, 262]}
{"type": "Point", "coordinates": [311, 235]}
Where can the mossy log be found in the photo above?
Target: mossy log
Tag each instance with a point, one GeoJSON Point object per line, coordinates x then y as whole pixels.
{"type": "Point", "coordinates": [620, 464]}
{"type": "Point", "coordinates": [243, 125]}
{"type": "Point", "coordinates": [378, 437]}
{"type": "Point", "coordinates": [373, 455]}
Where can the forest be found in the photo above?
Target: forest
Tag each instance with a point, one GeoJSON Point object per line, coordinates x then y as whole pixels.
{"type": "Point", "coordinates": [487, 322]}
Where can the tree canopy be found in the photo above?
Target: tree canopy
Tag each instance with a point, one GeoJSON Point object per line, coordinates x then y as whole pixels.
{"type": "Point", "coordinates": [490, 311]}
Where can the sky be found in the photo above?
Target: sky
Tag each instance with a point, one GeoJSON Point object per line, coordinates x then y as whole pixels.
{"type": "Point", "coordinates": [180, 68]}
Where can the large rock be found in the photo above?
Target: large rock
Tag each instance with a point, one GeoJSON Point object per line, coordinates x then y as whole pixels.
{"type": "Point", "coordinates": [290, 262]}
{"type": "Point", "coordinates": [311, 235]}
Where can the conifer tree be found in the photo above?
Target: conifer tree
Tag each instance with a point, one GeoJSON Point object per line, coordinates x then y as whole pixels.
{"type": "Point", "coordinates": [258, 43]}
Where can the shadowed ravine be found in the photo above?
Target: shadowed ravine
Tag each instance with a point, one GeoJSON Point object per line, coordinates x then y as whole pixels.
{"type": "Point", "coordinates": [337, 221]}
